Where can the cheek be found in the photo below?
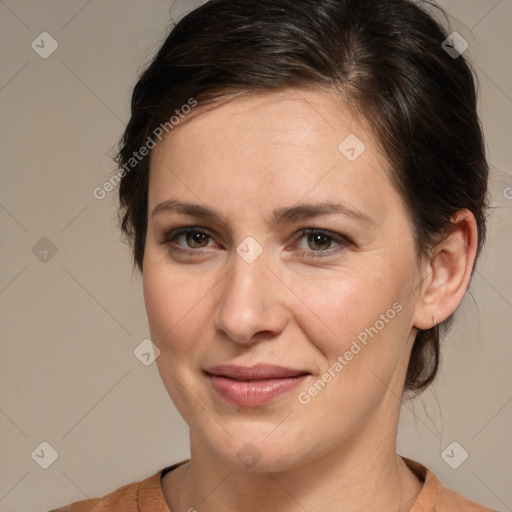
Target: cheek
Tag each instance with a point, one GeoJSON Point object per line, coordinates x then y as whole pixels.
{"type": "Point", "coordinates": [342, 305]}
{"type": "Point", "coordinates": [358, 320]}
{"type": "Point", "coordinates": [159, 303]}
{"type": "Point", "coordinates": [174, 305]}
{"type": "Point", "coordinates": [174, 310]}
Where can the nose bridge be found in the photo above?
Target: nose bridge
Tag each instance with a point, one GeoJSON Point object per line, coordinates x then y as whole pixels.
{"type": "Point", "coordinates": [250, 301]}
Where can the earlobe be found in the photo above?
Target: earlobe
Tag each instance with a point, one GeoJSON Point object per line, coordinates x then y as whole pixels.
{"type": "Point", "coordinates": [448, 272]}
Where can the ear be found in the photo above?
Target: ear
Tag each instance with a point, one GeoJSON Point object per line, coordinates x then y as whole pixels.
{"type": "Point", "coordinates": [447, 272]}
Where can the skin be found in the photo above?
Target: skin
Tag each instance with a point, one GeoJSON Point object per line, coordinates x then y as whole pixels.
{"type": "Point", "coordinates": [244, 159]}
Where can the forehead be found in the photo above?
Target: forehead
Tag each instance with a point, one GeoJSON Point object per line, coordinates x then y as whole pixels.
{"type": "Point", "coordinates": [299, 117]}
{"type": "Point", "coordinates": [265, 145]}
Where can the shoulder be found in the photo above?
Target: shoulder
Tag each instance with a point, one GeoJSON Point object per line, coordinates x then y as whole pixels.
{"type": "Point", "coordinates": [124, 499]}
{"type": "Point", "coordinates": [435, 497]}
{"type": "Point", "coordinates": [449, 500]}
{"type": "Point", "coordinates": [143, 496]}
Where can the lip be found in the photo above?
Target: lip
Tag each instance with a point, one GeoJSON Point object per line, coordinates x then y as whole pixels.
{"type": "Point", "coordinates": [255, 385]}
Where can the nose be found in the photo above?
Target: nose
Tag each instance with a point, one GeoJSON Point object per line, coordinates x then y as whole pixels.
{"type": "Point", "coordinates": [251, 308]}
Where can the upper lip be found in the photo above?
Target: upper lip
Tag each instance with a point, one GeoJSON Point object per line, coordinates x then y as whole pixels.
{"type": "Point", "coordinates": [257, 372]}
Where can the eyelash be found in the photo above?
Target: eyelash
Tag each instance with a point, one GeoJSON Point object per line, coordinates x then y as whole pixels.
{"type": "Point", "coordinates": [343, 242]}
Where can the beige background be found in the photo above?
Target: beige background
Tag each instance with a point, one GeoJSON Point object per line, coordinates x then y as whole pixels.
{"type": "Point", "coordinates": [69, 325]}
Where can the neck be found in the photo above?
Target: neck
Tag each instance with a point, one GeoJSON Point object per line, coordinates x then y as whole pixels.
{"type": "Point", "coordinates": [363, 473]}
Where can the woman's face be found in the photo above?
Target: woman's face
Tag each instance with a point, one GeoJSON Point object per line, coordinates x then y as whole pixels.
{"type": "Point", "coordinates": [334, 307]}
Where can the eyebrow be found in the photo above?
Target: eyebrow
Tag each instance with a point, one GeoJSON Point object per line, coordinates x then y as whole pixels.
{"type": "Point", "coordinates": [286, 214]}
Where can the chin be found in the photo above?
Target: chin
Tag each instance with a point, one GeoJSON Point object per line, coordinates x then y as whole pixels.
{"type": "Point", "coordinates": [250, 450]}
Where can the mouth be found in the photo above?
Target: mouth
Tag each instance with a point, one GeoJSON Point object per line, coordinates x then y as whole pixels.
{"type": "Point", "coordinates": [253, 386]}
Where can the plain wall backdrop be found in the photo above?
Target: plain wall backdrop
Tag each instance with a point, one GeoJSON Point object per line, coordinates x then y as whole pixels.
{"type": "Point", "coordinates": [72, 313]}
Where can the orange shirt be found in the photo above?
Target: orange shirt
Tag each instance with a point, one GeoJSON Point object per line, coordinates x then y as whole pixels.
{"type": "Point", "coordinates": [147, 496]}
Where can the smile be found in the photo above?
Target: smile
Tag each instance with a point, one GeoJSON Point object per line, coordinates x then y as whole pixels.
{"type": "Point", "coordinates": [253, 386]}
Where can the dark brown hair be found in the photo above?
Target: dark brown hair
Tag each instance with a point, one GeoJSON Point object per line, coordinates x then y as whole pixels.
{"type": "Point", "coordinates": [383, 57]}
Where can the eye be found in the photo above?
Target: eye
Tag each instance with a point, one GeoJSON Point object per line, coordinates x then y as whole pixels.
{"type": "Point", "coordinates": [193, 237]}
{"type": "Point", "coordinates": [319, 242]}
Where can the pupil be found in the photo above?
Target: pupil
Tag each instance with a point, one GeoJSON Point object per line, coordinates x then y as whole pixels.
{"type": "Point", "coordinates": [195, 238]}
{"type": "Point", "coordinates": [319, 238]}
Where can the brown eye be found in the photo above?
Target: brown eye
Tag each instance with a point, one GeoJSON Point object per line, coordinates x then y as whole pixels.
{"type": "Point", "coordinates": [319, 243]}
{"type": "Point", "coordinates": [193, 239]}
{"type": "Point", "coordinates": [316, 240]}
{"type": "Point", "coordinates": [196, 238]}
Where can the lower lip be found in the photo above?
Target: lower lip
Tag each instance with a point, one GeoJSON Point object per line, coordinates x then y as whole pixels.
{"type": "Point", "coordinates": [255, 392]}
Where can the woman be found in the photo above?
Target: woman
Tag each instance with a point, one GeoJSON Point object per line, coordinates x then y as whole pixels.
{"type": "Point", "coordinates": [304, 183]}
